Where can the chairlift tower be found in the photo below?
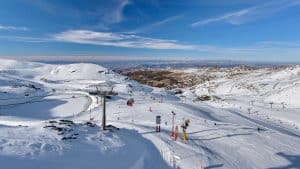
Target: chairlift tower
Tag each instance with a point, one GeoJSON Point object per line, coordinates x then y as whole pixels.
{"type": "Point", "coordinates": [103, 93]}
{"type": "Point", "coordinates": [104, 112]}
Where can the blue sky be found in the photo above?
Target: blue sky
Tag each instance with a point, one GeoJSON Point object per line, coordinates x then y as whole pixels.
{"type": "Point", "coordinates": [256, 30]}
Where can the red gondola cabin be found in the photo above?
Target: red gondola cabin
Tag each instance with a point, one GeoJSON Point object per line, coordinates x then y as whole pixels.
{"type": "Point", "coordinates": [130, 102]}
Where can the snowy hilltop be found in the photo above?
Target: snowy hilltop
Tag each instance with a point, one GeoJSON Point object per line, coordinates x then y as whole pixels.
{"type": "Point", "coordinates": [51, 117]}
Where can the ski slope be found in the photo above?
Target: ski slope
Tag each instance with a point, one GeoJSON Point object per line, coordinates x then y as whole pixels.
{"type": "Point", "coordinates": [35, 97]}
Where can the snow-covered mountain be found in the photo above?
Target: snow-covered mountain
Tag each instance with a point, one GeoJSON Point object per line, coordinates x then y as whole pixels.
{"type": "Point", "coordinates": [278, 85]}
{"type": "Point", "coordinates": [50, 117]}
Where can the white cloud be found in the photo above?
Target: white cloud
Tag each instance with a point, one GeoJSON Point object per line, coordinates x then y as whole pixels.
{"type": "Point", "coordinates": [25, 39]}
{"type": "Point", "coordinates": [12, 28]}
{"type": "Point", "coordinates": [110, 12]}
{"type": "Point", "coordinates": [157, 24]}
{"type": "Point", "coordinates": [269, 49]}
{"type": "Point", "coordinates": [250, 14]}
{"type": "Point", "coordinates": [114, 13]}
{"type": "Point", "coordinates": [103, 12]}
{"type": "Point", "coordinates": [259, 50]}
{"type": "Point", "coordinates": [118, 40]}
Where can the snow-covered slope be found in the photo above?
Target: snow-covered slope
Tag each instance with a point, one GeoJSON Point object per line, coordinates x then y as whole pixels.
{"type": "Point", "coordinates": [276, 85]}
{"type": "Point", "coordinates": [50, 119]}
{"type": "Point", "coordinates": [264, 87]}
{"type": "Point", "coordinates": [34, 93]}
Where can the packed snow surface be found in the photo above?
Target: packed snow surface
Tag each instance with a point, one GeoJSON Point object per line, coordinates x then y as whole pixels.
{"type": "Point", "coordinates": [50, 118]}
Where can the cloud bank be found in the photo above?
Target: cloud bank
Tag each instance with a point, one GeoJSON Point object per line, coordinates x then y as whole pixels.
{"type": "Point", "coordinates": [118, 40]}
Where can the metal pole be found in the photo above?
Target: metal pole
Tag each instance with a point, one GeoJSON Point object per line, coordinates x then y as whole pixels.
{"type": "Point", "coordinates": [173, 117]}
{"type": "Point", "coordinates": [90, 114]}
{"type": "Point", "coordinates": [104, 113]}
